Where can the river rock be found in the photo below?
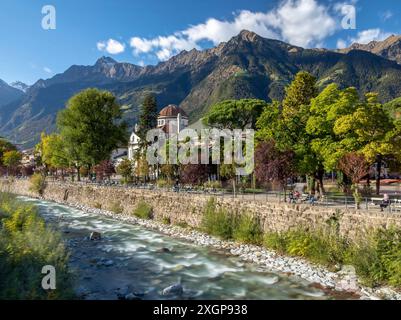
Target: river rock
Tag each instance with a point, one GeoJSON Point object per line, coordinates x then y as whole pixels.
{"type": "Point", "coordinates": [131, 297]}
{"type": "Point", "coordinates": [95, 236]}
{"type": "Point", "coordinates": [175, 289]}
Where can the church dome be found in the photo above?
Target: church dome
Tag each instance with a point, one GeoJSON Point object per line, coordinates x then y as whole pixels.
{"type": "Point", "coordinates": [172, 111]}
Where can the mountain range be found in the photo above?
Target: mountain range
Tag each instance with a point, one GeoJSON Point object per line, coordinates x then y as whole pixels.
{"type": "Point", "coordinates": [247, 66]}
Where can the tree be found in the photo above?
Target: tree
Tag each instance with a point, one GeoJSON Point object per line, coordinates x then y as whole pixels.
{"type": "Point", "coordinates": [356, 167]}
{"type": "Point", "coordinates": [53, 152]}
{"type": "Point", "coordinates": [194, 174]}
{"type": "Point", "coordinates": [369, 130]}
{"type": "Point", "coordinates": [228, 171]}
{"type": "Point", "coordinates": [147, 118]}
{"type": "Point", "coordinates": [125, 170]}
{"type": "Point", "coordinates": [274, 165]}
{"type": "Point", "coordinates": [6, 146]}
{"type": "Point", "coordinates": [91, 127]}
{"type": "Point", "coordinates": [330, 105]}
{"type": "Point", "coordinates": [286, 125]}
{"type": "Point", "coordinates": [12, 159]}
{"type": "Point", "coordinates": [235, 114]}
{"type": "Point", "coordinates": [104, 169]}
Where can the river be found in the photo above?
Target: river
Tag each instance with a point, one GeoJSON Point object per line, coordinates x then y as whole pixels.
{"type": "Point", "coordinates": [130, 259]}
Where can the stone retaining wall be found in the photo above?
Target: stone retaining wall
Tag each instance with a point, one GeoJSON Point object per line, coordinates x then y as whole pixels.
{"type": "Point", "coordinates": [180, 207]}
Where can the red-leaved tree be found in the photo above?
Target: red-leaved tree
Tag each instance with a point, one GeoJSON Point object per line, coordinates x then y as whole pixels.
{"type": "Point", "coordinates": [273, 165]}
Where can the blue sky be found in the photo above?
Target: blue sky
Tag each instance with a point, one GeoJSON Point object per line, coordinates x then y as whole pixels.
{"type": "Point", "coordinates": [146, 32]}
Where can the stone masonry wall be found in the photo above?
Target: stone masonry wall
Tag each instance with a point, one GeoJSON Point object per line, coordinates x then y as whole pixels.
{"type": "Point", "coordinates": [181, 207]}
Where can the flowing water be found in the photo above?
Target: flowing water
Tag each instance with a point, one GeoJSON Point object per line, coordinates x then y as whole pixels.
{"type": "Point", "coordinates": [131, 259]}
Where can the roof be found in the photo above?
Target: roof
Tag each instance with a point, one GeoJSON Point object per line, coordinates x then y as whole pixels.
{"type": "Point", "coordinates": [172, 111]}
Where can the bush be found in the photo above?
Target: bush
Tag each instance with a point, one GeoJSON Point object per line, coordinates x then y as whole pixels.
{"type": "Point", "coordinates": [26, 245]}
{"type": "Point", "coordinates": [182, 224]}
{"type": "Point", "coordinates": [162, 183]}
{"type": "Point", "coordinates": [247, 229]}
{"type": "Point", "coordinates": [37, 183]}
{"type": "Point", "coordinates": [166, 220]}
{"type": "Point", "coordinates": [143, 211]}
{"type": "Point", "coordinates": [98, 205]}
{"type": "Point", "coordinates": [116, 207]}
{"type": "Point", "coordinates": [212, 185]}
{"type": "Point", "coordinates": [217, 222]}
{"type": "Point", "coordinates": [377, 258]}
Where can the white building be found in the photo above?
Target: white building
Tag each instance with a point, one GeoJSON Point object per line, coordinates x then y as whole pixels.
{"type": "Point", "coordinates": [171, 120]}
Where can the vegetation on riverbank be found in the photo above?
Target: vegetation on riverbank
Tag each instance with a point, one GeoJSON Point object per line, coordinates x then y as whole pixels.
{"type": "Point", "coordinates": [227, 225]}
{"type": "Point", "coordinates": [26, 246]}
{"type": "Point", "coordinates": [376, 257]}
{"type": "Point", "coordinates": [143, 211]}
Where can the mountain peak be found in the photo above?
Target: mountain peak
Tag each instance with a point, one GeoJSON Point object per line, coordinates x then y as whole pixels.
{"type": "Point", "coordinates": [20, 86]}
{"type": "Point", "coordinates": [248, 35]}
{"type": "Point", "coordinates": [105, 60]}
{"type": "Point", "coordinates": [389, 48]}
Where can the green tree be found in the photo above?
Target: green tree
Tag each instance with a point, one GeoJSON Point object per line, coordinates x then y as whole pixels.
{"type": "Point", "coordinates": [235, 114]}
{"type": "Point", "coordinates": [12, 159]}
{"type": "Point", "coordinates": [53, 152]}
{"type": "Point", "coordinates": [125, 170]}
{"type": "Point", "coordinates": [147, 118]}
{"type": "Point", "coordinates": [369, 130]}
{"type": "Point", "coordinates": [330, 105]}
{"type": "Point", "coordinates": [91, 127]}
{"type": "Point", "coordinates": [5, 146]}
{"type": "Point", "coordinates": [286, 125]}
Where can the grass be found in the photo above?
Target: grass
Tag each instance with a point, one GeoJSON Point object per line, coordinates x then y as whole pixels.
{"type": "Point", "coordinates": [143, 211]}
{"type": "Point", "coordinates": [37, 183]}
{"type": "Point", "coordinates": [226, 225]}
{"type": "Point", "coordinates": [116, 208]}
{"type": "Point", "coordinates": [376, 257]}
{"type": "Point", "coordinates": [26, 245]}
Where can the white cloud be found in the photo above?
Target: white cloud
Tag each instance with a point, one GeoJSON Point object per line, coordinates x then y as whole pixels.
{"type": "Point", "coordinates": [141, 63]}
{"type": "Point", "coordinates": [341, 44]}
{"type": "Point", "coordinates": [301, 22]}
{"type": "Point", "coordinates": [47, 70]}
{"type": "Point", "coordinates": [304, 22]}
{"type": "Point", "coordinates": [111, 46]}
{"type": "Point", "coordinates": [369, 35]}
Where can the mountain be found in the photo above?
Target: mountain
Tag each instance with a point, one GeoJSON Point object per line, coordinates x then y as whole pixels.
{"type": "Point", "coordinates": [247, 66]}
{"type": "Point", "coordinates": [20, 86]}
{"type": "Point", "coordinates": [8, 94]}
{"type": "Point", "coordinates": [389, 48]}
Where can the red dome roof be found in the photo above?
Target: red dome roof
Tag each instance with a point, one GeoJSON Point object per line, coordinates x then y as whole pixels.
{"type": "Point", "coordinates": [172, 111]}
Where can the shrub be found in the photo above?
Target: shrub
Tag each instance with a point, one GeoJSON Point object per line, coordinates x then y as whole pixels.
{"type": "Point", "coordinates": [212, 185]}
{"type": "Point", "coordinates": [37, 183]}
{"type": "Point", "coordinates": [182, 224]}
{"type": "Point", "coordinates": [378, 259]}
{"type": "Point", "coordinates": [166, 220]}
{"type": "Point", "coordinates": [26, 245]}
{"type": "Point", "coordinates": [162, 183]}
{"type": "Point", "coordinates": [217, 222]}
{"type": "Point", "coordinates": [98, 205]}
{"type": "Point", "coordinates": [247, 229]}
{"type": "Point", "coordinates": [116, 207]}
{"type": "Point", "coordinates": [143, 211]}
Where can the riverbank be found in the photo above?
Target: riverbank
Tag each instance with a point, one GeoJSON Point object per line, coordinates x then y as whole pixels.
{"type": "Point", "coordinates": [342, 283]}
{"type": "Point", "coordinates": [184, 209]}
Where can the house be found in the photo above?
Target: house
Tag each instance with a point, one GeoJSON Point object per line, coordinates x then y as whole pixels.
{"type": "Point", "coordinates": [172, 120]}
